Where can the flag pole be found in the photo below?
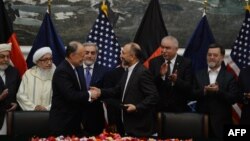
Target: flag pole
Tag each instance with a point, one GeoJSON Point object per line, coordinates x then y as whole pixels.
{"type": "Point", "coordinates": [104, 7]}
{"type": "Point", "coordinates": [205, 7]}
{"type": "Point", "coordinates": [49, 6]}
{"type": "Point", "coordinates": [247, 5]}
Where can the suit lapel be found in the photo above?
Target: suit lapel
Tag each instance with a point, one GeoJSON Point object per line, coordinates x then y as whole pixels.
{"type": "Point", "coordinates": [72, 71]}
{"type": "Point", "coordinates": [220, 77]}
{"type": "Point", "coordinates": [131, 78]}
{"type": "Point", "coordinates": [80, 71]}
{"type": "Point", "coordinates": [95, 74]}
{"type": "Point", "coordinates": [7, 76]}
{"type": "Point", "coordinates": [176, 64]}
{"type": "Point", "coordinates": [204, 78]}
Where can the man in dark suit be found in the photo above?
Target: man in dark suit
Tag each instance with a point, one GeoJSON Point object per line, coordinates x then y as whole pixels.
{"type": "Point", "coordinates": [173, 77]}
{"type": "Point", "coordinates": [244, 81]}
{"type": "Point", "coordinates": [95, 122]}
{"type": "Point", "coordinates": [9, 84]}
{"type": "Point", "coordinates": [216, 91]}
{"type": "Point", "coordinates": [111, 79]}
{"type": "Point", "coordinates": [137, 92]}
{"type": "Point", "coordinates": [70, 94]}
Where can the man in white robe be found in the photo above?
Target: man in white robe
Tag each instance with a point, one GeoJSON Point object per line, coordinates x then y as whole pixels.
{"type": "Point", "coordinates": [35, 91]}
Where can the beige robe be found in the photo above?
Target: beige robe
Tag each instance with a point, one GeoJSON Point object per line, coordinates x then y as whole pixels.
{"type": "Point", "coordinates": [35, 89]}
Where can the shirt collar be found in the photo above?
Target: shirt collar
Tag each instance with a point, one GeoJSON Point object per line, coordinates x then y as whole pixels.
{"type": "Point", "coordinates": [71, 64]}
{"type": "Point", "coordinates": [85, 66]}
{"type": "Point", "coordinates": [131, 68]}
{"type": "Point", "coordinates": [172, 60]}
{"type": "Point", "coordinates": [217, 70]}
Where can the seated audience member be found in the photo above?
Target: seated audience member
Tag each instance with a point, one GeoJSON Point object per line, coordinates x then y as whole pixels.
{"type": "Point", "coordinates": [9, 83]}
{"type": "Point", "coordinates": [216, 91]}
{"type": "Point", "coordinates": [244, 83]}
{"type": "Point", "coordinates": [35, 90]}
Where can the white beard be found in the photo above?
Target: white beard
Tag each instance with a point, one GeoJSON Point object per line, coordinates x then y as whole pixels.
{"type": "Point", "coordinates": [46, 74]}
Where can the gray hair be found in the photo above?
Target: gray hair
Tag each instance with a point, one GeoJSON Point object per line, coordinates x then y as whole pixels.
{"type": "Point", "coordinates": [172, 38]}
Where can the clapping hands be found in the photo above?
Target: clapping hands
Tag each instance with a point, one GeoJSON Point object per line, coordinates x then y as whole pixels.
{"type": "Point", "coordinates": [211, 88]}
{"type": "Point", "coordinates": [247, 95]}
{"type": "Point", "coordinates": [164, 69]}
{"type": "Point", "coordinates": [173, 77]}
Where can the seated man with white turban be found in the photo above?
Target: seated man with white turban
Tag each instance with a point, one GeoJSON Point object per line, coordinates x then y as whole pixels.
{"type": "Point", "coordinates": [9, 83]}
{"type": "Point", "coordinates": [35, 91]}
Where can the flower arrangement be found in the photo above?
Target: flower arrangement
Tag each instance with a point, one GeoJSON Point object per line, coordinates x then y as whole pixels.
{"type": "Point", "coordinates": [105, 136]}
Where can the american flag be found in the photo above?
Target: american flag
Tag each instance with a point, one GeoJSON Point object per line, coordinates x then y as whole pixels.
{"type": "Point", "coordinates": [103, 35]}
{"type": "Point", "coordinates": [240, 56]}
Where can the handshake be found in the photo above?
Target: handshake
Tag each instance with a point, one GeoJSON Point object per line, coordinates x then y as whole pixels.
{"type": "Point", "coordinates": [95, 93]}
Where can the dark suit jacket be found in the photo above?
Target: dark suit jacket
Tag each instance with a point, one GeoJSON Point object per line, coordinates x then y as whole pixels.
{"type": "Point", "coordinates": [68, 100]}
{"type": "Point", "coordinates": [173, 98]}
{"type": "Point", "coordinates": [217, 105]}
{"type": "Point", "coordinates": [12, 83]}
{"type": "Point", "coordinates": [111, 79]}
{"type": "Point", "coordinates": [244, 83]}
{"type": "Point", "coordinates": [95, 122]}
{"type": "Point", "coordinates": [98, 75]}
{"type": "Point", "coordinates": [141, 92]}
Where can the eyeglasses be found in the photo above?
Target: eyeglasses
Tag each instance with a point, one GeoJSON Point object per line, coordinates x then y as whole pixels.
{"type": "Point", "coordinates": [46, 60]}
{"type": "Point", "coordinates": [2, 56]}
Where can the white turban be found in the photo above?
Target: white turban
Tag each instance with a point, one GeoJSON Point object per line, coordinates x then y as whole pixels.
{"type": "Point", "coordinates": [5, 47]}
{"type": "Point", "coordinates": [40, 52]}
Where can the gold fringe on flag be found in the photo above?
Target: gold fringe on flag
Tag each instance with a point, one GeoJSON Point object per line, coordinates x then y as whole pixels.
{"type": "Point", "coordinates": [104, 7]}
{"type": "Point", "coordinates": [247, 7]}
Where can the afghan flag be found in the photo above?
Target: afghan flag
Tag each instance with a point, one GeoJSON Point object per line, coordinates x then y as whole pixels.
{"type": "Point", "coordinates": [151, 31]}
{"type": "Point", "coordinates": [7, 35]}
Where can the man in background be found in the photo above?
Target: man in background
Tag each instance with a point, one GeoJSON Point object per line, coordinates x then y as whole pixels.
{"type": "Point", "coordinates": [9, 83]}
{"type": "Point", "coordinates": [173, 77]}
{"type": "Point", "coordinates": [216, 91]}
{"type": "Point", "coordinates": [94, 74]}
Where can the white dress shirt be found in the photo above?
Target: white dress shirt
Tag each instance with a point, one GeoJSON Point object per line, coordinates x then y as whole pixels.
{"type": "Point", "coordinates": [213, 74]}
{"type": "Point", "coordinates": [172, 62]}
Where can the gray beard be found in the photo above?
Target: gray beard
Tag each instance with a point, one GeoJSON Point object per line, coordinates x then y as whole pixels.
{"type": "Point", "coordinates": [211, 65]}
{"type": "Point", "coordinates": [3, 67]}
{"type": "Point", "coordinates": [88, 63]}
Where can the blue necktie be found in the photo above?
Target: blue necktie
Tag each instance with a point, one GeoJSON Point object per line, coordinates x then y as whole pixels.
{"type": "Point", "coordinates": [88, 76]}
